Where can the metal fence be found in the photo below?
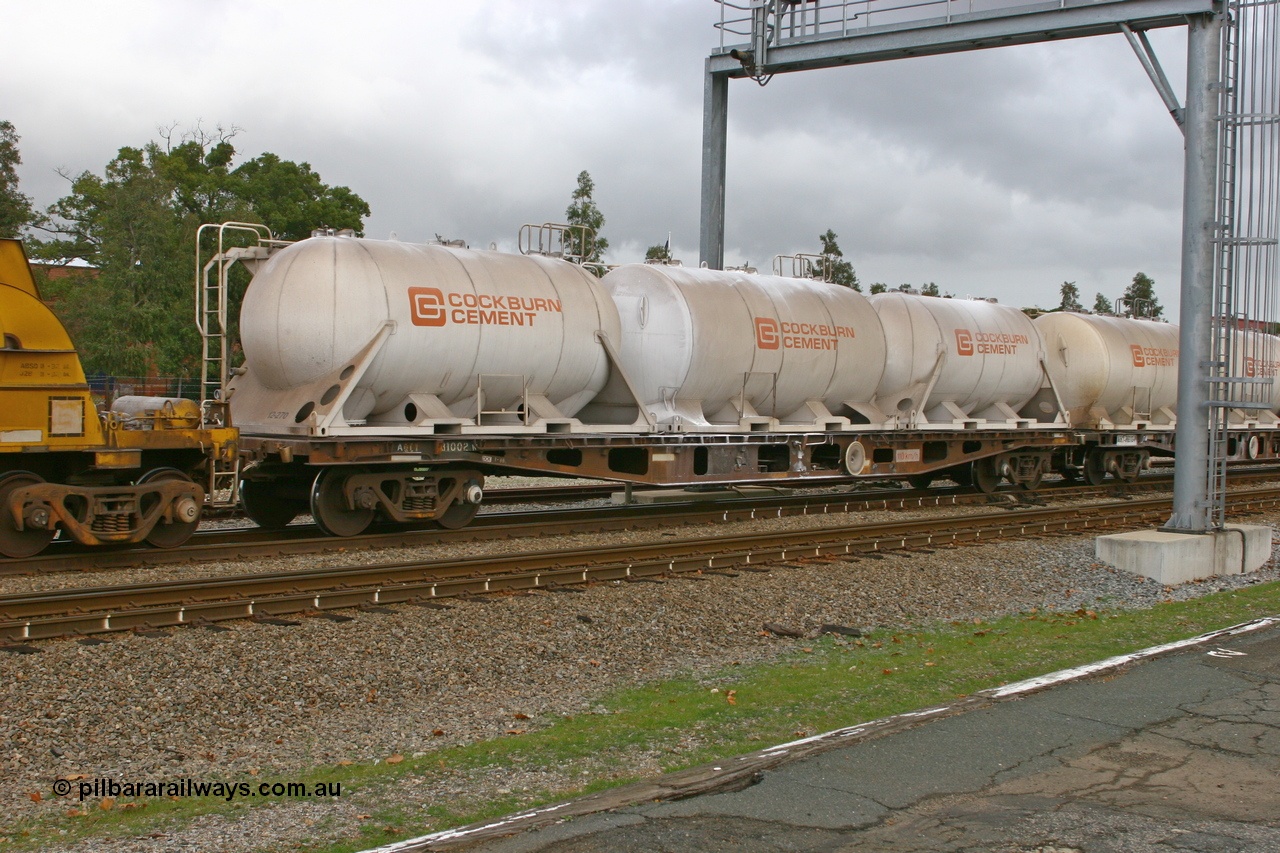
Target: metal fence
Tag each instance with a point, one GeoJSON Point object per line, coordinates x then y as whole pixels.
{"type": "Point", "coordinates": [105, 389]}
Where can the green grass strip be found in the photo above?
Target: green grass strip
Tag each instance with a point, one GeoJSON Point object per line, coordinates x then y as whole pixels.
{"type": "Point", "coordinates": [818, 686]}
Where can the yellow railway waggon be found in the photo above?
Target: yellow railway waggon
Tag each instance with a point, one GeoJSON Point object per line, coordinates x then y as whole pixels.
{"type": "Point", "coordinates": [141, 471]}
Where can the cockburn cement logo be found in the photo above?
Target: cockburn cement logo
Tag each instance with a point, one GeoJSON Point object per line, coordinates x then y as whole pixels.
{"type": "Point", "coordinates": [969, 342]}
{"type": "Point", "coordinates": [426, 306]}
{"type": "Point", "coordinates": [772, 334]}
{"type": "Point", "coordinates": [1258, 368]}
{"type": "Point", "coordinates": [1153, 356]}
{"type": "Point", "coordinates": [767, 334]}
{"type": "Point", "coordinates": [429, 306]}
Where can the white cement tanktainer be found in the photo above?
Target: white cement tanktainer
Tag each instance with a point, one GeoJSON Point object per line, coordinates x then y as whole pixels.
{"type": "Point", "coordinates": [1256, 359]}
{"type": "Point", "coordinates": [708, 349]}
{"type": "Point", "coordinates": [957, 361]}
{"type": "Point", "coordinates": [340, 332]}
{"type": "Point", "coordinates": [1111, 371]}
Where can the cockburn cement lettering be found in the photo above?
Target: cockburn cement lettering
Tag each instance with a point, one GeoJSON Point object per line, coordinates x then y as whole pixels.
{"type": "Point", "coordinates": [1153, 356]}
{"type": "Point", "coordinates": [429, 306]}
{"type": "Point", "coordinates": [773, 334]}
{"type": "Point", "coordinates": [969, 342]}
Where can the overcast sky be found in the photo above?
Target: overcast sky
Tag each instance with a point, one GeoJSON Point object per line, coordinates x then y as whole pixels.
{"type": "Point", "coordinates": [995, 173]}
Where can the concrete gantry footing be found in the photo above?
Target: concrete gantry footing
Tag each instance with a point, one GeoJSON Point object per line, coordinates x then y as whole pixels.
{"type": "Point", "coordinates": [1174, 558]}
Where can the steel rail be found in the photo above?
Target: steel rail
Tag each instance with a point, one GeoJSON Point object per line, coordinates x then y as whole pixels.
{"type": "Point", "coordinates": [246, 543]}
{"type": "Point", "coordinates": [135, 606]}
{"type": "Point", "coordinates": [243, 543]}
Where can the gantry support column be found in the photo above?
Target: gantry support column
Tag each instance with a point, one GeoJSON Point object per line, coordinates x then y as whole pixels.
{"type": "Point", "coordinates": [1191, 510]}
{"type": "Point", "coordinates": [715, 133]}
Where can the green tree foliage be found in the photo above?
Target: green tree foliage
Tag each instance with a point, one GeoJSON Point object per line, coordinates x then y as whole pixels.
{"type": "Point", "coordinates": [879, 287]}
{"type": "Point", "coordinates": [930, 289]}
{"type": "Point", "coordinates": [582, 211]}
{"type": "Point", "coordinates": [841, 270]}
{"type": "Point", "coordinates": [123, 319]}
{"type": "Point", "coordinates": [660, 252]}
{"type": "Point", "coordinates": [292, 199]}
{"type": "Point", "coordinates": [1140, 296]}
{"type": "Point", "coordinates": [137, 222]}
{"type": "Point", "coordinates": [1070, 297]}
{"type": "Point", "coordinates": [1102, 305]}
{"type": "Point", "coordinates": [16, 212]}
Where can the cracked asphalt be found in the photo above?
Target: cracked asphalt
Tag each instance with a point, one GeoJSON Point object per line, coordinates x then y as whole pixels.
{"type": "Point", "coordinates": [1179, 753]}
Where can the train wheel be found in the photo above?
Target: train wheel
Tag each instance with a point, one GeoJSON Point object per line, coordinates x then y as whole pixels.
{"type": "Point", "coordinates": [1034, 481]}
{"type": "Point", "coordinates": [14, 542]}
{"type": "Point", "coordinates": [1094, 472]}
{"type": "Point", "coordinates": [461, 512]}
{"type": "Point", "coordinates": [329, 507]}
{"type": "Point", "coordinates": [986, 476]}
{"type": "Point", "coordinates": [458, 515]}
{"type": "Point", "coordinates": [266, 508]}
{"type": "Point", "coordinates": [920, 481]}
{"type": "Point", "coordinates": [187, 517]}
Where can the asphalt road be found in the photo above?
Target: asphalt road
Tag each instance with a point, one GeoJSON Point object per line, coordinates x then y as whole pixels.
{"type": "Point", "coordinates": [1175, 751]}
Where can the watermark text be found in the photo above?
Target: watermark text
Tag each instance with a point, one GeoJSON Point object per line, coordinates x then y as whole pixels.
{"type": "Point", "coordinates": [101, 788]}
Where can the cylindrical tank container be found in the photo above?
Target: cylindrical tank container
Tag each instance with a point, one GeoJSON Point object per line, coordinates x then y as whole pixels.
{"type": "Point", "coordinates": [954, 360]}
{"type": "Point", "coordinates": [458, 319]}
{"type": "Point", "coordinates": [708, 347]}
{"type": "Point", "coordinates": [157, 412]}
{"type": "Point", "coordinates": [1111, 370]}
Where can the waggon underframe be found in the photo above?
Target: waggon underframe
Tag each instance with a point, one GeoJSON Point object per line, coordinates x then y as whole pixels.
{"type": "Point", "coordinates": [672, 460]}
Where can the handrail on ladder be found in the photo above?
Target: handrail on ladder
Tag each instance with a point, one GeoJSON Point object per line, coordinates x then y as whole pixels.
{"type": "Point", "coordinates": [211, 304]}
{"type": "Point", "coordinates": [223, 486]}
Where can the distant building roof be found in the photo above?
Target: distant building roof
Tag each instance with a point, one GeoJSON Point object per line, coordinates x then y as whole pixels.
{"type": "Point", "coordinates": [73, 263]}
{"type": "Point", "coordinates": [65, 267]}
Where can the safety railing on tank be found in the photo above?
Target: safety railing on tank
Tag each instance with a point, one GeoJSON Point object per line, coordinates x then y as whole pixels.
{"type": "Point", "coordinates": [1136, 307]}
{"type": "Point", "coordinates": [573, 243]}
{"type": "Point", "coordinates": [803, 265]}
{"type": "Point", "coordinates": [782, 22]}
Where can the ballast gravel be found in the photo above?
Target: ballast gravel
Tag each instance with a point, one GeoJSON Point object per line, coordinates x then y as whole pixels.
{"type": "Point", "coordinates": [276, 700]}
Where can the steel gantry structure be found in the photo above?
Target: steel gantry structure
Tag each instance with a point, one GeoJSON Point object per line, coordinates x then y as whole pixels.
{"type": "Point", "coordinates": [1229, 120]}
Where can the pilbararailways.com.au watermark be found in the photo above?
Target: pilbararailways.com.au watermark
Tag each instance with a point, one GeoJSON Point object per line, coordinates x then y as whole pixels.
{"type": "Point", "coordinates": [101, 788]}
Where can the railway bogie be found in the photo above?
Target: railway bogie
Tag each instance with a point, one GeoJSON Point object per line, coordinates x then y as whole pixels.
{"type": "Point", "coordinates": [137, 473]}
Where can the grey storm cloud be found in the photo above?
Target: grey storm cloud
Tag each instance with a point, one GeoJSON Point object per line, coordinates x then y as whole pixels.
{"type": "Point", "coordinates": [1001, 172]}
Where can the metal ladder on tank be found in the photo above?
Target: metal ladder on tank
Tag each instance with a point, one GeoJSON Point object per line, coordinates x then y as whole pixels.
{"type": "Point", "coordinates": [212, 277]}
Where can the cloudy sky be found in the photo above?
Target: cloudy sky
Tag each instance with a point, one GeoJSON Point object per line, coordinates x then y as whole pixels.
{"type": "Point", "coordinates": [995, 173]}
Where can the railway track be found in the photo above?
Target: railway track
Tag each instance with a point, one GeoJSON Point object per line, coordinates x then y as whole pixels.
{"type": "Point", "coordinates": [251, 542]}
{"type": "Point", "coordinates": [275, 595]}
